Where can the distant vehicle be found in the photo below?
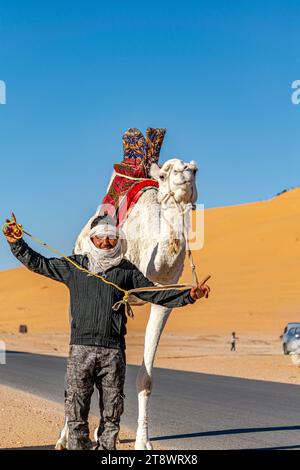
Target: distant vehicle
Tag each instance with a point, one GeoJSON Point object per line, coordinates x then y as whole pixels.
{"type": "Point", "coordinates": [291, 338]}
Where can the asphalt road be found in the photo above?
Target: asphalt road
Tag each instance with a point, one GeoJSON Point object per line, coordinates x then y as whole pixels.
{"type": "Point", "coordinates": [188, 410]}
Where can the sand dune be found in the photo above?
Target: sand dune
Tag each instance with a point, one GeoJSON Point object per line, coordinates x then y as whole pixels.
{"type": "Point", "coordinates": [252, 252]}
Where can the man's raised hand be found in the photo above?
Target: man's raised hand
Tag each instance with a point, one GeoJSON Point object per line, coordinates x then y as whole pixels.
{"type": "Point", "coordinates": [11, 229]}
{"type": "Point", "coordinates": [202, 290]}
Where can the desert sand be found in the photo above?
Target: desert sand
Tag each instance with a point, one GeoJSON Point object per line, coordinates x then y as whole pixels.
{"type": "Point", "coordinates": [252, 252]}
{"type": "Point", "coordinates": [46, 420]}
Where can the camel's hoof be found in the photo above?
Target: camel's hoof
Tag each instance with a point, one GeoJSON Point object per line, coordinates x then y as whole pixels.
{"type": "Point", "coordinates": [143, 445]}
{"type": "Point", "coordinates": [60, 446]}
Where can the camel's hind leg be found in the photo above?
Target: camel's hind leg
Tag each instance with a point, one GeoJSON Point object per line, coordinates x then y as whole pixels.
{"type": "Point", "coordinates": [157, 320]}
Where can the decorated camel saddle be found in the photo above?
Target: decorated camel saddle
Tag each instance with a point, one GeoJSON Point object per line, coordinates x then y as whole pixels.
{"type": "Point", "coordinates": [131, 177]}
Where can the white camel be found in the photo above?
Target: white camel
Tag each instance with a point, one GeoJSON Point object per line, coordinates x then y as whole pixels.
{"type": "Point", "coordinates": [156, 244]}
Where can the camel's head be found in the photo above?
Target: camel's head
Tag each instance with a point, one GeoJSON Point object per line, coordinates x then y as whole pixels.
{"type": "Point", "coordinates": [177, 177]}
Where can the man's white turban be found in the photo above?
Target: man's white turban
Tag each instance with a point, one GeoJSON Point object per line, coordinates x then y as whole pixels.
{"type": "Point", "coordinates": [102, 259]}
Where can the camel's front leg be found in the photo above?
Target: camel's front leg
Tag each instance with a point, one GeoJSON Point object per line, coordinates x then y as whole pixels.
{"type": "Point", "coordinates": [157, 320]}
{"type": "Point", "coordinates": [62, 443]}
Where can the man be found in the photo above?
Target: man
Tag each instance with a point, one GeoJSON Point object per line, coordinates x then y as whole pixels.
{"type": "Point", "coordinates": [97, 345]}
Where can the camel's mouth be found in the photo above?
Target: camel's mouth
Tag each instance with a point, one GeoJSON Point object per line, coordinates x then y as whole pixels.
{"type": "Point", "coordinates": [189, 191]}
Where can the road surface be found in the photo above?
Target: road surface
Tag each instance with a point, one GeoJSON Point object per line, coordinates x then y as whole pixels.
{"type": "Point", "coordinates": [188, 410]}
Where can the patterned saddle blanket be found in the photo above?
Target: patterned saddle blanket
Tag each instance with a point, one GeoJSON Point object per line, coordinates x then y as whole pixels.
{"type": "Point", "coordinates": [131, 177]}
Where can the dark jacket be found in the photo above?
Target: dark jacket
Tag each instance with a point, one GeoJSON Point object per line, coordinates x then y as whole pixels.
{"type": "Point", "coordinates": [94, 322]}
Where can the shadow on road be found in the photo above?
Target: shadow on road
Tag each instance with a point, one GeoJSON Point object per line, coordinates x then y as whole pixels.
{"type": "Point", "coordinates": [276, 448]}
{"type": "Point", "coordinates": [223, 432]}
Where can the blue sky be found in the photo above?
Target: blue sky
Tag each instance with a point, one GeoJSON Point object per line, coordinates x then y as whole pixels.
{"type": "Point", "coordinates": [216, 74]}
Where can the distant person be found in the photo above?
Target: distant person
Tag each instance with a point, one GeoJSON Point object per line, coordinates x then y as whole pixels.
{"type": "Point", "coordinates": [233, 341]}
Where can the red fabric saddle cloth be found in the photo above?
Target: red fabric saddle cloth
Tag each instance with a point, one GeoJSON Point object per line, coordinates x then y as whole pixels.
{"type": "Point", "coordinates": [131, 178]}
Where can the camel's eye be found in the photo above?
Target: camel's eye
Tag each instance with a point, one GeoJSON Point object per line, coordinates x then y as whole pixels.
{"type": "Point", "coordinates": [161, 177]}
{"type": "Point", "coordinates": [175, 172]}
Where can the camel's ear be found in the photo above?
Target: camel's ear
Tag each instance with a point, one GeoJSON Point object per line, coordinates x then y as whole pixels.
{"type": "Point", "coordinates": [193, 165]}
{"type": "Point", "coordinates": [154, 171]}
{"type": "Point", "coordinates": [167, 165]}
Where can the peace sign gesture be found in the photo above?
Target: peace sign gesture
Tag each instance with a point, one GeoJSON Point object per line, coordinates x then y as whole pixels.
{"type": "Point", "coordinates": [11, 230]}
{"type": "Point", "coordinates": [202, 290]}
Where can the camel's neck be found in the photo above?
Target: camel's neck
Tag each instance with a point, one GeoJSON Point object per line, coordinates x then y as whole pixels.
{"type": "Point", "coordinates": [171, 241]}
{"type": "Point", "coordinates": [173, 220]}
{"type": "Point", "coordinates": [151, 231]}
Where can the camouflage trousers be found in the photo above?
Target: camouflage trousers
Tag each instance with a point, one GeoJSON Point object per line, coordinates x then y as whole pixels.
{"type": "Point", "coordinates": [104, 368]}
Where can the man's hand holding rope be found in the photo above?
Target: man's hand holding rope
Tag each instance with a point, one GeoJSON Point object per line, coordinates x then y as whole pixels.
{"type": "Point", "coordinates": [12, 230]}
